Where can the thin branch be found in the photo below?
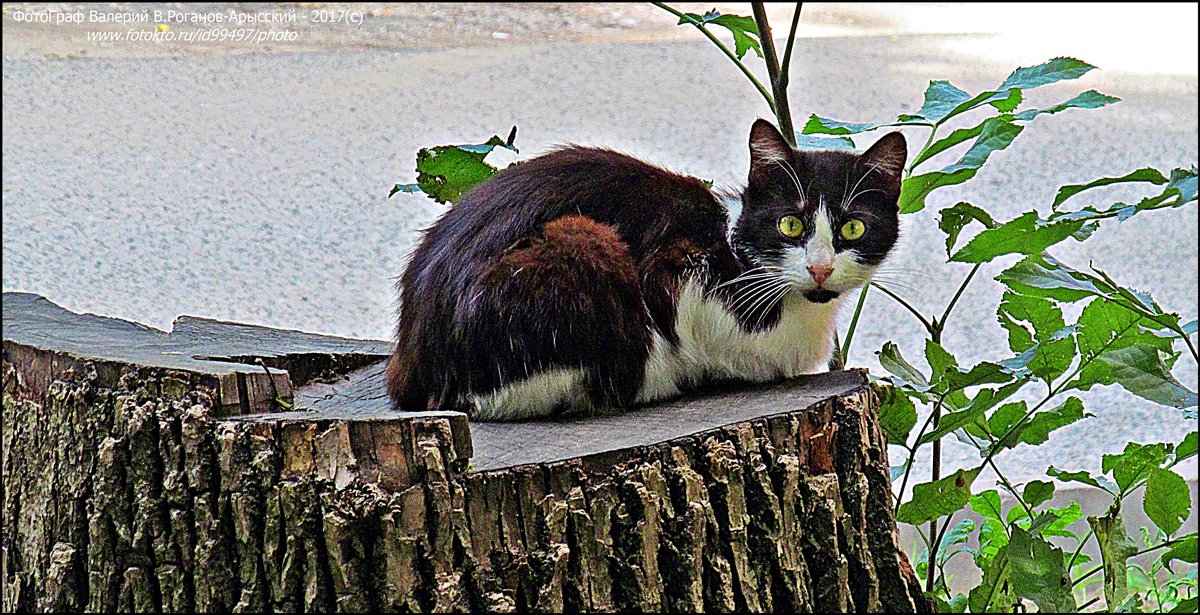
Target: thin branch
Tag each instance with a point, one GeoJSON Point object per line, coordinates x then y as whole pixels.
{"type": "Point", "coordinates": [787, 51]}
{"type": "Point", "coordinates": [928, 327]}
{"type": "Point", "coordinates": [961, 287]}
{"type": "Point", "coordinates": [778, 85]}
{"type": "Point", "coordinates": [732, 56]}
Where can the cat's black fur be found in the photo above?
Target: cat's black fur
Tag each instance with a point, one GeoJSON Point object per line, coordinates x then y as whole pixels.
{"type": "Point", "coordinates": [573, 259]}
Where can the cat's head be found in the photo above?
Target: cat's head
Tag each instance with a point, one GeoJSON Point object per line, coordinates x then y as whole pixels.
{"type": "Point", "coordinates": [821, 221]}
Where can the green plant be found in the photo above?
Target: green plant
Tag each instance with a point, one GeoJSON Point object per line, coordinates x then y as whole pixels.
{"type": "Point", "coordinates": [1120, 337]}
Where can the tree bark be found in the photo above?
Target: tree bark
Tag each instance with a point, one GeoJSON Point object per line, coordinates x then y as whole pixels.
{"type": "Point", "coordinates": [138, 482]}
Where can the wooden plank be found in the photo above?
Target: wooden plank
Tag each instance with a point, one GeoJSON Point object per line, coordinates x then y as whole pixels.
{"type": "Point", "coordinates": [502, 445]}
{"type": "Point", "coordinates": [236, 358]}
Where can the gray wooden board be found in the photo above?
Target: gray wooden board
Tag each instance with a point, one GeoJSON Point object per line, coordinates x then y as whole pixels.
{"type": "Point", "coordinates": [35, 321]}
{"type": "Point", "coordinates": [362, 396]}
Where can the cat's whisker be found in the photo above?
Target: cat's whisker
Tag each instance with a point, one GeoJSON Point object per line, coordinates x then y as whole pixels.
{"type": "Point", "coordinates": [760, 288]}
{"type": "Point", "coordinates": [773, 299]}
{"type": "Point", "coordinates": [744, 278]}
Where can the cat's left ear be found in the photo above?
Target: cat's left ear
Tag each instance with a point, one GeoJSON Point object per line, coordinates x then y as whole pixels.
{"type": "Point", "coordinates": [767, 146]}
{"type": "Point", "coordinates": [887, 157]}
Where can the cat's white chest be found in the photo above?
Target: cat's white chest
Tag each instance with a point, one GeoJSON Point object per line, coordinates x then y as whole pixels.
{"type": "Point", "coordinates": [713, 346]}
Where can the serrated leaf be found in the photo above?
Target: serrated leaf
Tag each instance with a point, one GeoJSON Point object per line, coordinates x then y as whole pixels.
{"type": "Point", "coordinates": [1037, 492]}
{"type": "Point", "coordinates": [744, 29]}
{"type": "Point", "coordinates": [891, 360]}
{"type": "Point", "coordinates": [1090, 99]}
{"type": "Point", "coordinates": [994, 592]}
{"type": "Point", "coordinates": [1061, 520]}
{"type": "Point", "coordinates": [1039, 573]}
{"type": "Point", "coordinates": [1146, 174]}
{"type": "Point", "coordinates": [446, 172]}
{"type": "Point", "coordinates": [952, 422]}
{"type": "Point", "coordinates": [1053, 353]}
{"type": "Point", "coordinates": [1186, 449]}
{"type": "Point", "coordinates": [825, 126]}
{"type": "Point", "coordinates": [915, 189]}
{"type": "Point", "coordinates": [1043, 276]}
{"type": "Point", "coordinates": [1167, 500]}
{"type": "Point", "coordinates": [940, 98]}
{"type": "Point", "coordinates": [1009, 102]}
{"type": "Point", "coordinates": [938, 498]}
{"type": "Point", "coordinates": [939, 360]}
{"type": "Point", "coordinates": [1184, 550]}
{"type": "Point", "coordinates": [1040, 425]}
{"type": "Point", "coordinates": [1058, 69]}
{"type": "Point", "coordinates": [1134, 463]}
{"type": "Point", "coordinates": [1025, 234]}
{"type": "Point", "coordinates": [1081, 476]}
{"type": "Point", "coordinates": [993, 137]}
{"type": "Point", "coordinates": [954, 218]}
{"type": "Point", "coordinates": [810, 142]}
{"type": "Point", "coordinates": [897, 414]}
{"type": "Point", "coordinates": [1140, 370]}
{"type": "Point", "coordinates": [956, 535]}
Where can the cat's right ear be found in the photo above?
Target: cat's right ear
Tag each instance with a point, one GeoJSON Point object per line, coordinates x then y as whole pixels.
{"type": "Point", "coordinates": [767, 147]}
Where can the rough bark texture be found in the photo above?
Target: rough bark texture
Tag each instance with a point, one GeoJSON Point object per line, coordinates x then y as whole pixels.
{"type": "Point", "coordinates": [126, 487]}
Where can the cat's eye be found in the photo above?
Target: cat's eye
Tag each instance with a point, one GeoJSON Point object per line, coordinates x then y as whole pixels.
{"type": "Point", "coordinates": [853, 229]}
{"type": "Point", "coordinates": [791, 226]}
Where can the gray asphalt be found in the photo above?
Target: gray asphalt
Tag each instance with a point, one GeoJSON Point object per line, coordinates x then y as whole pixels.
{"type": "Point", "coordinates": [253, 188]}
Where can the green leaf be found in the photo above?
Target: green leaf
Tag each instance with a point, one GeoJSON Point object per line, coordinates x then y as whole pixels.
{"type": "Point", "coordinates": [1081, 476]}
{"type": "Point", "coordinates": [898, 471]}
{"type": "Point", "coordinates": [940, 98]}
{"type": "Point", "coordinates": [1038, 428]}
{"type": "Point", "coordinates": [891, 360]}
{"type": "Point", "coordinates": [1043, 276]}
{"type": "Point", "coordinates": [1134, 463]}
{"type": "Point", "coordinates": [897, 414]}
{"type": "Point", "coordinates": [956, 535]}
{"type": "Point", "coordinates": [939, 360]}
{"type": "Point", "coordinates": [1187, 605]}
{"type": "Point", "coordinates": [1090, 99]}
{"type": "Point", "coordinates": [1038, 573]}
{"type": "Point", "coordinates": [826, 126]}
{"type": "Point", "coordinates": [804, 141]}
{"type": "Point", "coordinates": [1184, 550]}
{"type": "Point", "coordinates": [1025, 234]}
{"type": "Point", "coordinates": [1147, 174]}
{"type": "Point", "coordinates": [744, 29]}
{"type": "Point", "coordinates": [938, 498]}
{"type": "Point", "coordinates": [915, 189]}
{"type": "Point", "coordinates": [1054, 352]}
{"type": "Point", "coordinates": [993, 137]}
{"type": "Point", "coordinates": [1186, 449]}
{"type": "Point", "coordinates": [446, 172]}
{"type": "Point", "coordinates": [1140, 370]}
{"type": "Point", "coordinates": [1037, 492]}
{"type": "Point", "coordinates": [1168, 500]}
{"type": "Point", "coordinates": [1009, 102]}
{"type": "Point", "coordinates": [992, 532]}
{"type": "Point", "coordinates": [1055, 70]}
{"type": "Point", "coordinates": [952, 422]}
{"type": "Point", "coordinates": [1061, 520]}
{"type": "Point", "coordinates": [994, 592]}
{"type": "Point", "coordinates": [1116, 547]}
{"type": "Point", "coordinates": [955, 218]}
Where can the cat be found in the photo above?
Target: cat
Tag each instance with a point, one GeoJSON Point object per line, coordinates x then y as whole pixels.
{"type": "Point", "coordinates": [586, 280]}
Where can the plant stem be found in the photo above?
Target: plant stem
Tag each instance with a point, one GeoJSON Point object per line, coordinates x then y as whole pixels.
{"type": "Point", "coordinates": [862, 298]}
{"type": "Point", "coordinates": [778, 81]}
{"type": "Point", "coordinates": [928, 327]}
{"type": "Point", "coordinates": [961, 287]}
{"type": "Point", "coordinates": [787, 51]}
{"type": "Point", "coordinates": [732, 56]}
{"type": "Point", "coordinates": [1011, 489]}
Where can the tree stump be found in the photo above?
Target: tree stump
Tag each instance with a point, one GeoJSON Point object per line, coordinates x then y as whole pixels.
{"type": "Point", "coordinates": [148, 471]}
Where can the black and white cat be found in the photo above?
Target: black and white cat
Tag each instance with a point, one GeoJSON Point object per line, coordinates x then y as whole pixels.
{"type": "Point", "coordinates": [585, 279]}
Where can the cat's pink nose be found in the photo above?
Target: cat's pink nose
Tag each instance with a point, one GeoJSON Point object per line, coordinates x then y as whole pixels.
{"type": "Point", "coordinates": [820, 273]}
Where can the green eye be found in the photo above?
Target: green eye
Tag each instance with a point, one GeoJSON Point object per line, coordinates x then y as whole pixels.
{"type": "Point", "coordinates": [853, 229]}
{"type": "Point", "coordinates": [791, 226]}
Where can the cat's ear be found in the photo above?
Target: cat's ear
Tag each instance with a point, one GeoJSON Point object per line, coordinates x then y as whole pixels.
{"type": "Point", "coordinates": [767, 146]}
{"type": "Point", "coordinates": [887, 157]}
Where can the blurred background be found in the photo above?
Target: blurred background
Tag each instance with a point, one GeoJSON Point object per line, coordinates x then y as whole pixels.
{"type": "Point", "coordinates": [248, 181]}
